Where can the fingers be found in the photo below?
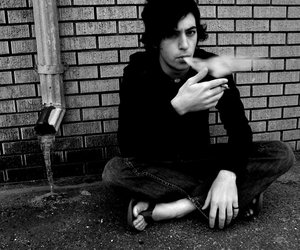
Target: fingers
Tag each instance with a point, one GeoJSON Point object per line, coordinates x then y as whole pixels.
{"type": "Point", "coordinates": [199, 76]}
{"type": "Point", "coordinates": [235, 208]}
{"type": "Point", "coordinates": [212, 215]}
{"type": "Point", "coordinates": [217, 83]}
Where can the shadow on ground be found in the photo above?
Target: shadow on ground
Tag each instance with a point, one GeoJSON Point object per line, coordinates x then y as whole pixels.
{"type": "Point", "coordinates": [92, 216]}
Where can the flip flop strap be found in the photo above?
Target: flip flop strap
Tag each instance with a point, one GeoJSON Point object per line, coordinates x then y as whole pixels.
{"type": "Point", "coordinates": [147, 214]}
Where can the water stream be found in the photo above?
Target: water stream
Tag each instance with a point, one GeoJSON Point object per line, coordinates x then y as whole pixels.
{"type": "Point", "coordinates": [46, 143]}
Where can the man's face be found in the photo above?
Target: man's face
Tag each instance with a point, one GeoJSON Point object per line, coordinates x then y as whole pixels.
{"type": "Point", "coordinates": [181, 44]}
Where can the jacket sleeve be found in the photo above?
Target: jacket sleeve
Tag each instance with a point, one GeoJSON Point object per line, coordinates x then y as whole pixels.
{"type": "Point", "coordinates": [239, 132]}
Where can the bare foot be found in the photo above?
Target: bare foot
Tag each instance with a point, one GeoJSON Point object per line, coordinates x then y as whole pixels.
{"type": "Point", "coordinates": [140, 223]}
{"type": "Point", "coordinates": [162, 211]}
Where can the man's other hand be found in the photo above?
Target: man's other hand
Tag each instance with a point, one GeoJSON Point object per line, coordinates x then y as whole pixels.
{"type": "Point", "coordinates": [222, 199]}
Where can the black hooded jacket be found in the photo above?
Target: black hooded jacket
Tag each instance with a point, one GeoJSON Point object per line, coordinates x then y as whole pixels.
{"type": "Point", "coordinates": [150, 128]}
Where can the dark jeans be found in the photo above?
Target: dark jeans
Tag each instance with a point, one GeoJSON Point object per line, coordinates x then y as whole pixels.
{"type": "Point", "coordinates": [166, 181]}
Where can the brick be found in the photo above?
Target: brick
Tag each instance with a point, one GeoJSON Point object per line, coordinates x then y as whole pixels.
{"type": "Point", "coordinates": [66, 29]}
{"type": "Point", "coordinates": [12, 4]}
{"type": "Point", "coordinates": [28, 133]}
{"type": "Point", "coordinates": [10, 162]}
{"type": "Point", "coordinates": [82, 128]}
{"type": "Point", "coordinates": [9, 134]}
{"type": "Point", "coordinates": [282, 124]}
{"type": "Point", "coordinates": [220, 50]}
{"type": "Point", "coordinates": [99, 85]}
{"type": "Point", "coordinates": [93, 2]}
{"type": "Point", "coordinates": [85, 155]}
{"type": "Point", "coordinates": [125, 54]}
{"type": "Point", "coordinates": [234, 12]}
{"type": "Point", "coordinates": [100, 113]}
{"type": "Point", "coordinates": [269, 38]}
{"type": "Point", "coordinates": [116, 12]}
{"type": "Point", "coordinates": [14, 31]}
{"type": "Point", "coordinates": [20, 16]}
{"type": "Point", "coordinates": [101, 140]}
{"type": "Point", "coordinates": [18, 119]}
{"type": "Point", "coordinates": [269, 12]}
{"type": "Point", "coordinates": [98, 57]}
{"type": "Point", "coordinates": [68, 58]}
{"type": "Point", "coordinates": [78, 43]}
{"type": "Point", "coordinates": [253, 2]}
{"type": "Point", "coordinates": [260, 126]}
{"type": "Point", "coordinates": [79, 101]}
{"type": "Point", "coordinates": [93, 28]}
{"type": "Point", "coordinates": [210, 41]}
{"type": "Point", "coordinates": [285, 25]}
{"type": "Point", "coordinates": [5, 78]}
{"type": "Point", "coordinates": [293, 38]}
{"type": "Point", "coordinates": [21, 147]}
{"type": "Point", "coordinates": [293, 12]}
{"type": "Point", "coordinates": [255, 102]}
{"type": "Point", "coordinates": [265, 114]}
{"type": "Point", "coordinates": [4, 48]}
{"type": "Point", "coordinates": [291, 112]}
{"type": "Point", "coordinates": [217, 2]}
{"type": "Point", "coordinates": [123, 41]}
{"type": "Point", "coordinates": [110, 126]}
{"type": "Point", "coordinates": [131, 27]}
{"type": "Point", "coordinates": [272, 136]}
{"type": "Point", "coordinates": [71, 87]}
{"type": "Point", "coordinates": [26, 174]}
{"type": "Point", "coordinates": [2, 17]}
{"type": "Point", "coordinates": [219, 25]}
{"type": "Point", "coordinates": [131, 1]}
{"type": "Point", "coordinates": [244, 91]}
{"type": "Point", "coordinates": [17, 91]}
{"type": "Point", "coordinates": [26, 76]}
{"type": "Point", "coordinates": [292, 64]}
{"type": "Point", "coordinates": [267, 64]}
{"type": "Point", "coordinates": [7, 106]}
{"type": "Point", "coordinates": [15, 62]}
{"type": "Point", "coordinates": [292, 89]}
{"type": "Point", "coordinates": [251, 78]}
{"type": "Point", "coordinates": [284, 76]}
{"type": "Point", "coordinates": [64, 2]}
{"type": "Point", "coordinates": [72, 115]}
{"type": "Point", "coordinates": [285, 51]}
{"type": "Point", "coordinates": [280, 101]}
{"type": "Point", "coordinates": [252, 25]}
{"type": "Point", "coordinates": [285, 2]}
{"type": "Point", "coordinates": [249, 51]}
{"type": "Point", "coordinates": [110, 99]}
{"type": "Point", "coordinates": [86, 72]}
{"type": "Point", "coordinates": [234, 39]}
{"type": "Point", "coordinates": [267, 90]}
{"type": "Point", "coordinates": [23, 46]}
{"type": "Point", "coordinates": [291, 135]}
{"type": "Point", "coordinates": [27, 105]}
{"type": "Point", "coordinates": [69, 14]}
{"type": "Point", "coordinates": [208, 11]}
{"type": "Point", "coordinates": [217, 130]}
{"type": "Point", "coordinates": [68, 143]}
{"type": "Point", "coordinates": [112, 70]}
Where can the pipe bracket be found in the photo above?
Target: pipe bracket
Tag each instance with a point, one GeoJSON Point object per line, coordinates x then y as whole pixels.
{"type": "Point", "coordinates": [51, 69]}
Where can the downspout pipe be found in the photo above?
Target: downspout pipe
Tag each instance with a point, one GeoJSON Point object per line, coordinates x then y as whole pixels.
{"type": "Point", "coordinates": [49, 66]}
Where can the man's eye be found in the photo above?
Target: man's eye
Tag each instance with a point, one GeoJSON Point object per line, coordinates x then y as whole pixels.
{"type": "Point", "coordinates": [191, 32]}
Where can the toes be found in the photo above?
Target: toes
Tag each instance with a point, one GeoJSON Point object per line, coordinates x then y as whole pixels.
{"type": "Point", "coordinates": [140, 223]}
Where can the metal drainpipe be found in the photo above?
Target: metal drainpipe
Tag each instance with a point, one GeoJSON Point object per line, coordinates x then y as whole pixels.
{"type": "Point", "coordinates": [49, 66]}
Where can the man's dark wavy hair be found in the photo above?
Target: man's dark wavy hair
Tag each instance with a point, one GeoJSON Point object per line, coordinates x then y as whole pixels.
{"type": "Point", "coordinates": [162, 16]}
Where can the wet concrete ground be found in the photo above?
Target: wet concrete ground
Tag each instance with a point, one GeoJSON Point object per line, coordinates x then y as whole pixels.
{"type": "Point", "coordinates": [91, 216]}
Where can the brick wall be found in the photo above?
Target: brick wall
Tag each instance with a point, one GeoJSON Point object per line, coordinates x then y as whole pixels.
{"type": "Point", "coordinates": [97, 37]}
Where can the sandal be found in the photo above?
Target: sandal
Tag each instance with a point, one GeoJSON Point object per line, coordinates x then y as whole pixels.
{"type": "Point", "coordinates": [254, 207]}
{"type": "Point", "coordinates": [147, 214]}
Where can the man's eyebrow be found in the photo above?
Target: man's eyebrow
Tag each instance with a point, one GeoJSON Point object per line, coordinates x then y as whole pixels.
{"type": "Point", "coordinates": [191, 28]}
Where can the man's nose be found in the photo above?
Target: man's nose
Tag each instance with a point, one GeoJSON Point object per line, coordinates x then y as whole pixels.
{"type": "Point", "coordinates": [183, 42]}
